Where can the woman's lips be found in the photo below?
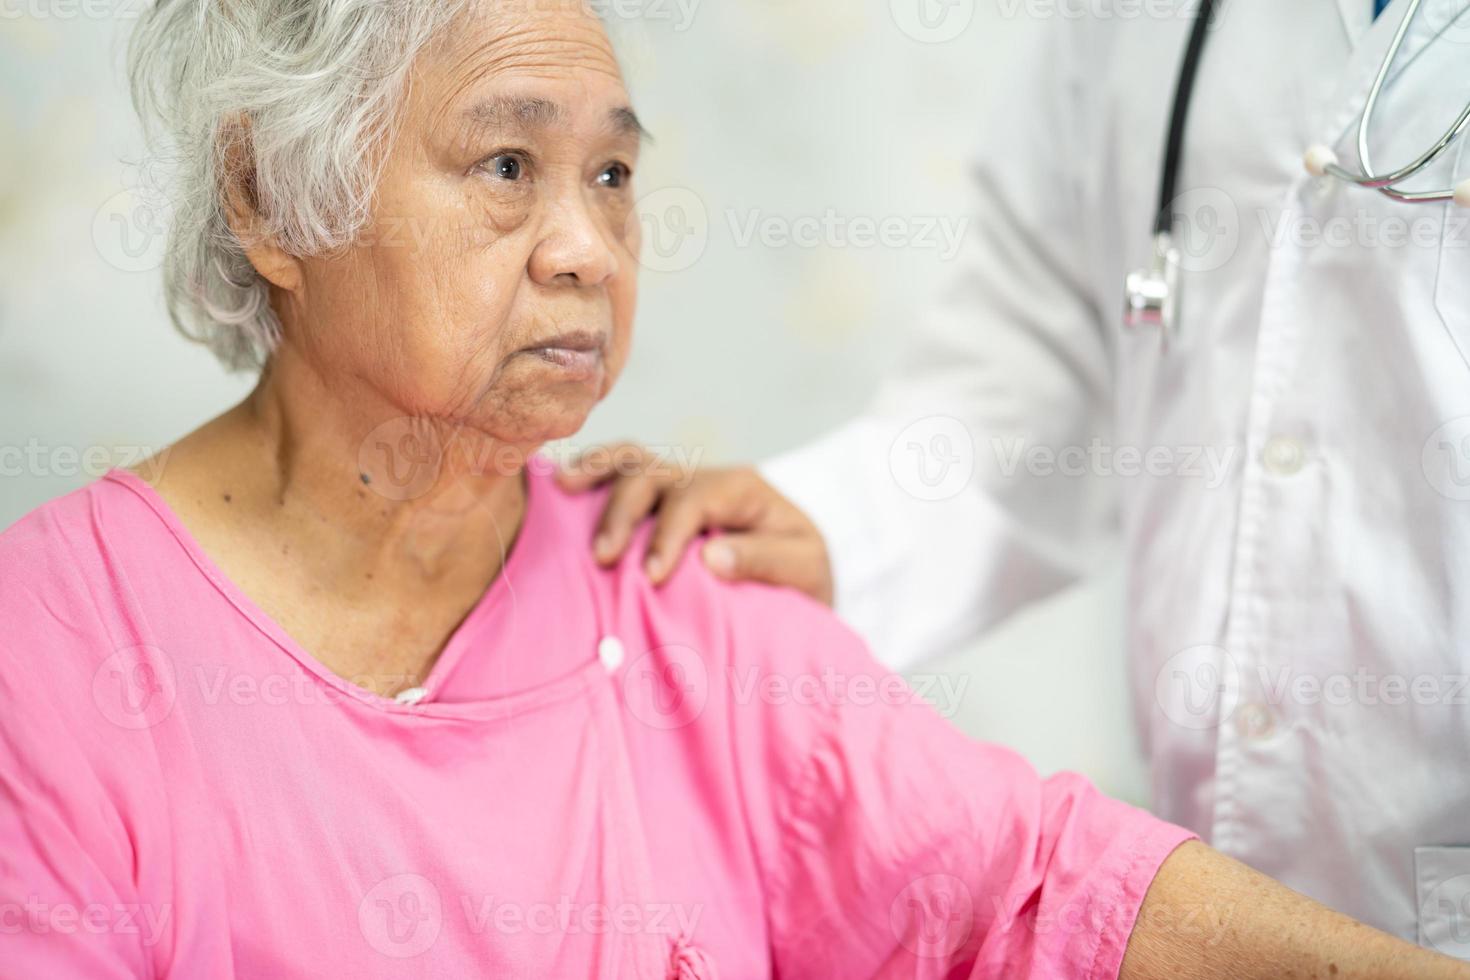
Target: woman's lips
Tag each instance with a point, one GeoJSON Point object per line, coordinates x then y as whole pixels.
{"type": "Point", "coordinates": [578, 354]}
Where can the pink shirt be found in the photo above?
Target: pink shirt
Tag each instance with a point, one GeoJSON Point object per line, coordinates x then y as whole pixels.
{"type": "Point", "coordinates": [603, 779]}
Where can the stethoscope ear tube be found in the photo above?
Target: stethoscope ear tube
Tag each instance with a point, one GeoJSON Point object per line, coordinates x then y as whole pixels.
{"type": "Point", "coordinates": [1151, 295]}
{"type": "Point", "coordinates": [1179, 116]}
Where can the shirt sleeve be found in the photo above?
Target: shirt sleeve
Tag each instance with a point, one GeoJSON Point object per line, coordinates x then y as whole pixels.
{"type": "Point", "coordinates": [69, 907]}
{"type": "Point", "coordinates": [91, 883]}
{"type": "Point", "coordinates": [893, 845]}
{"type": "Point", "coordinates": [951, 501]}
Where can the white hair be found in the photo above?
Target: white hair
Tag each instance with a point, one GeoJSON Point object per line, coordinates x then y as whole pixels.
{"type": "Point", "coordinates": [291, 101]}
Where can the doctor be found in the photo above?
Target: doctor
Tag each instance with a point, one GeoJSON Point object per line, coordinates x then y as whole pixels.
{"type": "Point", "coordinates": [1282, 444]}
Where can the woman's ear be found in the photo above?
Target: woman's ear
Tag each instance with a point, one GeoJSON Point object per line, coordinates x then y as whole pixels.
{"type": "Point", "coordinates": [237, 188]}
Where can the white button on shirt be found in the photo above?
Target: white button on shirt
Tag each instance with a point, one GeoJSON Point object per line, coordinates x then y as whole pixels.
{"type": "Point", "coordinates": [610, 652]}
{"type": "Point", "coordinates": [1304, 309]}
{"type": "Point", "coordinates": [411, 695]}
{"type": "Point", "coordinates": [1283, 456]}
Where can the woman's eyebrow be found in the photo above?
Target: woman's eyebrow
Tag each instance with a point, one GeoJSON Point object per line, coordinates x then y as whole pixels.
{"type": "Point", "coordinates": [625, 122]}
{"type": "Point", "coordinates": [507, 112]}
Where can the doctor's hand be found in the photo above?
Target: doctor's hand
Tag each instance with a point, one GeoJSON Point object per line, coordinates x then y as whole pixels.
{"type": "Point", "coordinates": [770, 539]}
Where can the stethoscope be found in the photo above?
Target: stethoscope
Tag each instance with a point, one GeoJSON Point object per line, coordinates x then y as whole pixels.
{"type": "Point", "coordinates": [1151, 296]}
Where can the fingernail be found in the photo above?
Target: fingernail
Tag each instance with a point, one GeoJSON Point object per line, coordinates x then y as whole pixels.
{"type": "Point", "coordinates": [720, 557]}
{"type": "Point", "coordinates": [654, 566]}
{"type": "Point", "coordinates": [602, 546]}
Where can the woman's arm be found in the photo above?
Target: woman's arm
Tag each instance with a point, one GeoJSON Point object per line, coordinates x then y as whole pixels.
{"type": "Point", "coordinates": [1258, 929]}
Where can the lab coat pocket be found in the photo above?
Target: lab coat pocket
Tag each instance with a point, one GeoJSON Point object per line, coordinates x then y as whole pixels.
{"type": "Point", "coordinates": [1452, 287]}
{"type": "Point", "coordinates": [1442, 875]}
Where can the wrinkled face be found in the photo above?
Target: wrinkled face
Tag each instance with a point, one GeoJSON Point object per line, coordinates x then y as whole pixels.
{"type": "Point", "coordinates": [495, 285]}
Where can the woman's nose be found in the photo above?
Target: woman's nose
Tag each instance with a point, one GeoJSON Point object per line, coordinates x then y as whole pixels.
{"type": "Point", "coordinates": [576, 249]}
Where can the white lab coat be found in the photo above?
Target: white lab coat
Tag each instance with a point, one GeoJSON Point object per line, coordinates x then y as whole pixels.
{"type": "Point", "coordinates": [1296, 520]}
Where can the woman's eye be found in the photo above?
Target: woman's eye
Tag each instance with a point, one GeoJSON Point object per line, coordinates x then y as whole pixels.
{"type": "Point", "coordinates": [506, 166]}
{"type": "Point", "coordinates": [614, 175]}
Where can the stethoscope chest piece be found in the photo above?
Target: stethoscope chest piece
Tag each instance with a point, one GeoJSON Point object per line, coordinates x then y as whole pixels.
{"type": "Point", "coordinates": [1151, 296]}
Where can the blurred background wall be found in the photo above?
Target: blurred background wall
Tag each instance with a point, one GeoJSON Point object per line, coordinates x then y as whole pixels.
{"type": "Point", "coordinates": [782, 129]}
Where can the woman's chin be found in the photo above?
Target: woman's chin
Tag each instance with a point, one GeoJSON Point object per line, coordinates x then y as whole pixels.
{"type": "Point", "coordinates": [549, 416]}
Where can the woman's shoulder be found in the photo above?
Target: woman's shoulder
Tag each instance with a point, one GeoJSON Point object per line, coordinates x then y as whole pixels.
{"type": "Point", "coordinates": [60, 573]}
{"type": "Point", "coordinates": [745, 625]}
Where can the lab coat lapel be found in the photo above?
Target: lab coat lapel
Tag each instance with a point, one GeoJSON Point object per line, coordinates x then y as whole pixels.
{"type": "Point", "coordinates": [1371, 43]}
{"type": "Point", "coordinates": [1357, 18]}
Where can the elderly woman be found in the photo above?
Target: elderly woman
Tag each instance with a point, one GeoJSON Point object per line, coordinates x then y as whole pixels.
{"type": "Point", "coordinates": [332, 686]}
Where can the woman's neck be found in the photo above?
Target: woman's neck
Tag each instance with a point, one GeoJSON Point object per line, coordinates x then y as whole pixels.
{"type": "Point", "coordinates": [366, 537]}
{"type": "Point", "coordinates": [355, 484]}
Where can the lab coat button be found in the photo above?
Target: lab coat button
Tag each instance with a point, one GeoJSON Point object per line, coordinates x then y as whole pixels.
{"type": "Point", "coordinates": [610, 652]}
{"type": "Point", "coordinates": [1283, 456]}
{"type": "Point", "coordinates": [1254, 721]}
